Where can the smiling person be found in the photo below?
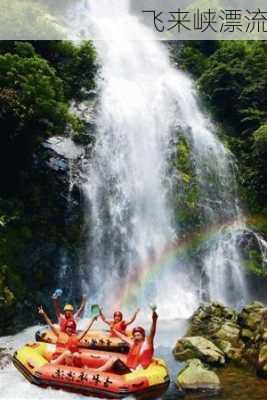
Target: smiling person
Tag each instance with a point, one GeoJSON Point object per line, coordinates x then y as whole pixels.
{"type": "Point", "coordinates": [67, 350]}
{"type": "Point", "coordinates": [118, 322]}
{"type": "Point", "coordinates": [141, 348]}
{"type": "Point", "coordinates": [68, 312]}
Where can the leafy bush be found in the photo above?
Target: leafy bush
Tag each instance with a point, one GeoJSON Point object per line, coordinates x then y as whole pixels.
{"type": "Point", "coordinates": [232, 79]}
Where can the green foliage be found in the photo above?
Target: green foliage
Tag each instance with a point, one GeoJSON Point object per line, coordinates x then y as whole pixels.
{"type": "Point", "coordinates": [6, 296]}
{"type": "Point", "coordinates": [235, 82]}
{"type": "Point", "coordinates": [38, 82]}
{"type": "Point", "coordinates": [29, 19]}
{"type": "Point", "coordinates": [74, 64]}
{"type": "Point", "coordinates": [254, 263]}
{"type": "Point", "coordinates": [194, 56]}
{"type": "Point", "coordinates": [260, 140]}
{"type": "Point", "coordinates": [36, 95]}
{"type": "Point", "coordinates": [187, 210]}
{"type": "Point", "coordinates": [194, 60]}
{"type": "Point", "coordinates": [232, 79]}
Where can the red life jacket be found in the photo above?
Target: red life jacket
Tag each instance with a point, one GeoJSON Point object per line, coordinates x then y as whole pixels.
{"type": "Point", "coordinates": [63, 321]}
{"type": "Point", "coordinates": [140, 354]}
{"type": "Point", "coordinates": [119, 326]}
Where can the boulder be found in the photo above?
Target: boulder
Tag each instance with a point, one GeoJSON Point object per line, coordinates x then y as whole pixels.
{"type": "Point", "coordinates": [209, 318]}
{"type": "Point", "coordinates": [198, 347]}
{"type": "Point", "coordinates": [251, 316]}
{"type": "Point", "coordinates": [195, 376]}
{"type": "Point", "coordinates": [228, 331]}
{"type": "Point", "coordinates": [264, 335]}
{"type": "Point", "coordinates": [246, 334]}
{"type": "Point", "coordinates": [262, 362]}
{"type": "Point", "coordinates": [234, 353]}
{"type": "Point", "coordinates": [239, 337]}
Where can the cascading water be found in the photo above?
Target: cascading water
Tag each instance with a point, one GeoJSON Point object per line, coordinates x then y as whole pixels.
{"type": "Point", "coordinates": [143, 99]}
{"type": "Point", "coordinates": [127, 177]}
{"type": "Point", "coordinates": [219, 206]}
{"type": "Point", "coordinates": [133, 237]}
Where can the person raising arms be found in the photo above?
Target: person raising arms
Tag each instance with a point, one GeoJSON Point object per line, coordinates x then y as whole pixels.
{"type": "Point", "coordinates": [67, 350]}
{"type": "Point", "coordinates": [141, 348]}
{"type": "Point", "coordinates": [68, 312]}
{"type": "Point", "coordinates": [118, 322]}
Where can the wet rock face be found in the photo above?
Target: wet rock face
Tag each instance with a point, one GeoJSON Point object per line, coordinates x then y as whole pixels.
{"type": "Point", "coordinates": [44, 245]}
{"type": "Point", "coordinates": [248, 241]}
{"type": "Point", "coordinates": [196, 377]}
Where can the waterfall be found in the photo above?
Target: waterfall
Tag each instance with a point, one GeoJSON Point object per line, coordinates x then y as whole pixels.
{"type": "Point", "coordinates": [127, 181]}
{"type": "Point", "coordinates": [143, 100]}
{"type": "Point", "coordinates": [215, 171]}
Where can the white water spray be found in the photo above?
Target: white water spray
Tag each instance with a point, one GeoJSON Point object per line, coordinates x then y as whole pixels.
{"type": "Point", "coordinates": [143, 99]}
{"type": "Point", "coordinates": [127, 186]}
{"type": "Point", "coordinates": [215, 173]}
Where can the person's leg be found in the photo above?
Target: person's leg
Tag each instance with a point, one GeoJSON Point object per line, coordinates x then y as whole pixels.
{"type": "Point", "coordinates": [77, 360]}
{"type": "Point", "coordinates": [107, 365]}
{"type": "Point", "coordinates": [60, 359]}
{"type": "Point", "coordinates": [69, 359]}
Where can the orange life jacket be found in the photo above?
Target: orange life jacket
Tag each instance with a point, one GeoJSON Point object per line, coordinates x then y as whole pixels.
{"type": "Point", "coordinates": [140, 354]}
{"type": "Point", "coordinates": [119, 326]}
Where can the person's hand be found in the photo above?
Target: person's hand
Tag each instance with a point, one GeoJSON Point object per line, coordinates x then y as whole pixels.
{"type": "Point", "coordinates": [154, 316]}
{"type": "Point", "coordinates": [41, 310]}
{"type": "Point", "coordinates": [57, 293]}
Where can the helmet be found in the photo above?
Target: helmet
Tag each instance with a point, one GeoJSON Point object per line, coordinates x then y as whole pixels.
{"type": "Point", "coordinates": [68, 307]}
{"type": "Point", "coordinates": [140, 330]}
{"type": "Point", "coordinates": [117, 314]}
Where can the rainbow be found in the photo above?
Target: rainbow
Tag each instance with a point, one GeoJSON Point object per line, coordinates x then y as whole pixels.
{"type": "Point", "coordinates": [146, 272]}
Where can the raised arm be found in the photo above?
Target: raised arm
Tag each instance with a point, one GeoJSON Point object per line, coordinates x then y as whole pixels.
{"type": "Point", "coordinates": [150, 338]}
{"type": "Point", "coordinates": [57, 306]}
{"type": "Point", "coordinates": [102, 316]}
{"type": "Point", "coordinates": [82, 334]}
{"type": "Point", "coordinates": [81, 308]}
{"type": "Point", "coordinates": [122, 337]}
{"type": "Point", "coordinates": [133, 318]}
{"type": "Point", "coordinates": [47, 320]}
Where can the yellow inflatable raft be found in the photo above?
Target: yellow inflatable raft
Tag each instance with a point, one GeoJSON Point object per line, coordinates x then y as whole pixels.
{"type": "Point", "coordinates": [97, 340]}
{"type": "Point", "coordinates": [32, 360]}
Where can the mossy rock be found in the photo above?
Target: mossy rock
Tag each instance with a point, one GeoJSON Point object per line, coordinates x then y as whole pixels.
{"type": "Point", "coordinates": [229, 331]}
{"type": "Point", "coordinates": [198, 347]}
{"type": "Point", "coordinates": [195, 376]}
{"type": "Point", "coordinates": [262, 362]}
{"type": "Point", "coordinates": [251, 316]}
{"type": "Point", "coordinates": [246, 334]}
